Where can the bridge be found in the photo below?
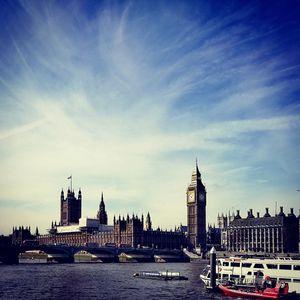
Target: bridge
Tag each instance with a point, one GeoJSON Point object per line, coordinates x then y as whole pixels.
{"type": "Point", "coordinates": [65, 253]}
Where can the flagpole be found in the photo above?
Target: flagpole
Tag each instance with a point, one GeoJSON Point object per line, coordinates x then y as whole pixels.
{"type": "Point", "coordinates": [70, 177]}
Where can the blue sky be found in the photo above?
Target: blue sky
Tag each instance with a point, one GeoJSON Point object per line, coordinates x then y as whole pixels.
{"type": "Point", "coordinates": [124, 95]}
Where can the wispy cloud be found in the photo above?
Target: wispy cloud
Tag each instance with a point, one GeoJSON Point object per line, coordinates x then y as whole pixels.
{"type": "Point", "coordinates": [125, 97]}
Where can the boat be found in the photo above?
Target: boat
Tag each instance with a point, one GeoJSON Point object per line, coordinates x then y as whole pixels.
{"type": "Point", "coordinates": [96, 255]}
{"type": "Point", "coordinates": [83, 256]}
{"type": "Point", "coordinates": [35, 257]}
{"type": "Point", "coordinates": [165, 275]}
{"type": "Point", "coordinates": [240, 269]}
{"type": "Point", "coordinates": [279, 291]}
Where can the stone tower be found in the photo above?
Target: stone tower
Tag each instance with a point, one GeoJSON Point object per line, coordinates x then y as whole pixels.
{"type": "Point", "coordinates": [70, 208]}
{"type": "Point", "coordinates": [196, 211]}
{"type": "Point", "coordinates": [102, 215]}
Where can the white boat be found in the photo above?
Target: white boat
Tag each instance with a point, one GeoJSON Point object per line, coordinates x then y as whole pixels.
{"type": "Point", "coordinates": [165, 275]}
{"type": "Point", "coordinates": [245, 270]}
{"type": "Point", "coordinates": [35, 257]}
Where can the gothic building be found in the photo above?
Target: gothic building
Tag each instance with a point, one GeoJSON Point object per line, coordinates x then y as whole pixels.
{"type": "Point", "coordinates": [213, 236]}
{"type": "Point", "coordinates": [196, 211]}
{"type": "Point", "coordinates": [223, 222]}
{"type": "Point", "coordinates": [126, 232]}
{"type": "Point", "coordinates": [21, 234]}
{"type": "Point", "coordinates": [70, 208]}
{"type": "Point", "coordinates": [102, 215]}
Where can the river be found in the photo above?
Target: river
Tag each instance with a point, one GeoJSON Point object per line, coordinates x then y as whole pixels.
{"type": "Point", "coordinates": [100, 281]}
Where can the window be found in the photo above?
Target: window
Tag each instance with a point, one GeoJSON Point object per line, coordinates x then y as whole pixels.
{"type": "Point", "coordinates": [285, 279]}
{"type": "Point", "coordinates": [297, 267]}
{"type": "Point", "coordinates": [225, 275]}
{"type": "Point", "coordinates": [225, 263]}
{"type": "Point", "coordinates": [258, 266]}
{"type": "Point", "coordinates": [235, 264]}
{"type": "Point", "coordinates": [285, 267]}
{"type": "Point", "coordinates": [271, 266]}
{"type": "Point", "coordinates": [246, 265]}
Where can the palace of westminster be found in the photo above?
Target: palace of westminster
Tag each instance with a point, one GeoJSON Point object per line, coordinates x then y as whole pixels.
{"type": "Point", "coordinates": [267, 234]}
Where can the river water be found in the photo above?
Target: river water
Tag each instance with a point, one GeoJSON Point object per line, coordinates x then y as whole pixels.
{"type": "Point", "coordinates": [100, 281]}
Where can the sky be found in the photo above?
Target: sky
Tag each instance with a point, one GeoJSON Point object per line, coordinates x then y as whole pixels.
{"type": "Point", "coordinates": [126, 95]}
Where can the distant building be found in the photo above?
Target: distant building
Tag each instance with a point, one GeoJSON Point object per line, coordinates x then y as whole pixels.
{"type": "Point", "coordinates": [20, 235]}
{"type": "Point", "coordinates": [196, 211]}
{"type": "Point", "coordinates": [130, 232]}
{"type": "Point", "coordinates": [213, 236]}
{"type": "Point", "coordinates": [70, 208]}
{"type": "Point", "coordinates": [127, 232]}
{"type": "Point", "coordinates": [223, 222]}
{"type": "Point", "coordinates": [277, 234]}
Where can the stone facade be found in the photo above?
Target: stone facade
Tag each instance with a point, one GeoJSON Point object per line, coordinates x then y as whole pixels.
{"type": "Point", "coordinates": [21, 234]}
{"type": "Point", "coordinates": [127, 232]}
{"type": "Point", "coordinates": [277, 234]}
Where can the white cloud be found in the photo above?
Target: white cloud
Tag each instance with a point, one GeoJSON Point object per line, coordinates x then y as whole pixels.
{"type": "Point", "coordinates": [126, 108]}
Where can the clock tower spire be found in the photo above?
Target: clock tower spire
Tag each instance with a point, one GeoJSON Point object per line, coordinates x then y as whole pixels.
{"type": "Point", "coordinates": [196, 211]}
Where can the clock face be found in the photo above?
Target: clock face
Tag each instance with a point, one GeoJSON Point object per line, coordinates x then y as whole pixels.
{"type": "Point", "coordinates": [191, 196]}
{"type": "Point", "coordinates": [201, 196]}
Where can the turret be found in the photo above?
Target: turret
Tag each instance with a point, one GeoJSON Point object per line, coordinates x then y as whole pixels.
{"type": "Point", "coordinates": [148, 222]}
{"type": "Point", "coordinates": [102, 215]}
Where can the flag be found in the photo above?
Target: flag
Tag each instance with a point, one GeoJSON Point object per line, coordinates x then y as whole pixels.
{"type": "Point", "coordinates": [70, 177]}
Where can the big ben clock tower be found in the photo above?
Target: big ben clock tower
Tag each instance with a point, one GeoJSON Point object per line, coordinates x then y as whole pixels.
{"type": "Point", "coordinates": [196, 211]}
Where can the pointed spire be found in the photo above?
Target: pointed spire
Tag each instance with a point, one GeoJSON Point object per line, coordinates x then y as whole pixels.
{"type": "Point", "coordinates": [148, 223]}
{"type": "Point", "coordinates": [102, 215]}
{"type": "Point", "coordinates": [196, 175]}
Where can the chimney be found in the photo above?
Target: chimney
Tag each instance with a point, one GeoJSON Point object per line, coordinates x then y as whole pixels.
{"type": "Point", "coordinates": [281, 213]}
{"type": "Point", "coordinates": [251, 213]}
{"type": "Point", "coordinates": [267, 213]}
{"type": "Point", "coordinates": [291, 214]}
{"type": "Point", "coordinates": [237, 214]}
